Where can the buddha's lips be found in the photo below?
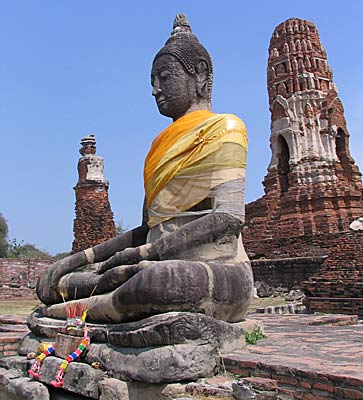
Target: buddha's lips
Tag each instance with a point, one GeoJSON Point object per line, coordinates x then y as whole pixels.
{"type": "Point", "coordinates": [160, 101]}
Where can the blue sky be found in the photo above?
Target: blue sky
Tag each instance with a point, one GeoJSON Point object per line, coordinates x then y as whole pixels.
{"type": "Point", "coordinates": [69, 68]}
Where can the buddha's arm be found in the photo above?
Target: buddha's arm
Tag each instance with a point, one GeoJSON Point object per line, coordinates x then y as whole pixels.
{"type": "Point", "coordinates": [48, 282]}
{"type": "Point", "coordinates": [207, 229]}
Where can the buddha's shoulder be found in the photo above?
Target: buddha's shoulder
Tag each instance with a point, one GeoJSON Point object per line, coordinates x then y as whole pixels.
{"type": "Point", "coordinates": [231, 121]}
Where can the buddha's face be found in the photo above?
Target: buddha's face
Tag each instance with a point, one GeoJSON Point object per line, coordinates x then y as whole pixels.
{"type": "Point", "coordinates": [174, 88]}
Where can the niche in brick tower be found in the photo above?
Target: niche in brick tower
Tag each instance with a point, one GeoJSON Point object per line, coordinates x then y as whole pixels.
{"type": "Point", "coordinates": [313, 185]}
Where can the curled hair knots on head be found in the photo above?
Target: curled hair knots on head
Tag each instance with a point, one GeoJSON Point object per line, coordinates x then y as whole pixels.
{"type": "Point", "coordinates": [187, 49]}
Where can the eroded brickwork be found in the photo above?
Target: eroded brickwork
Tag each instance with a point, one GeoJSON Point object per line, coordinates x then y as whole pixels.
{"type": "Point", "coordinates": [18, 277]}
{"type": "Point", "coordinates": [338, 286]}
{"type": "Point", "coordinates": [313, 189]}
{"type": "Point", "coordinates": [313, 185]}
{"type": "Point", "coordinates": [94, 218]}
{"type": "Point", "coordinates": [283, 274]}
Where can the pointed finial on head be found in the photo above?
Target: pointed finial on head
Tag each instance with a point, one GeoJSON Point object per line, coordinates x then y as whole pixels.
{"type": "Point", "coordinates": [181, 24]}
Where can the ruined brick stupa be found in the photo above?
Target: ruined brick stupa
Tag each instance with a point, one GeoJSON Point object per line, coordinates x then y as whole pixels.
{"type": "Point", "coordinates": [313, 188]}
{"type": "Point", "coordinates": [313, 185]}
{"type": "Point", "coordinates": [94, 218]}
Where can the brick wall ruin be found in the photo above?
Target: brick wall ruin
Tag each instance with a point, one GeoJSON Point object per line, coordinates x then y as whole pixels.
{"type": "Point", "coordinates": [283, 274]}
{"type": "Point", "coordinates": [338, 285]}
{"type": "Point", "coordinates": [18, 277]}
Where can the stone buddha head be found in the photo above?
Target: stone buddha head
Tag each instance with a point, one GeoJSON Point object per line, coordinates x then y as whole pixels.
{"type": "Point", "coordinates": [182, 73]}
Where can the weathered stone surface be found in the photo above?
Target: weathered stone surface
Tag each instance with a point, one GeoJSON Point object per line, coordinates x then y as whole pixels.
{"type": "Point", "coordinates": [59, 394]}
{"type": "Point", "coordinates": [242, 391]}
{"type": "Point", "coordinates": [178, 328]}
{"type": "Point", "coordinates": [154, 365]}
{"type": "Point", "coordinates": [191, 342]}
{"type": "Point", "coordinates": [26, 389]}
{"type": "Point", "coordinates": [18, 363]}
{"type": "Point", "coordinates": [45, 327]}
{"type": "Point", "coordinates": [65, 345]}
{"type": "Point", "coordinates": [156, 391]}
{"type": "Point", "coordinates": [112, 389]}
{"type": "Point", "coordinates": [79, 378]}
{"type": "Point", "coordinates": [6, 375]}
{"type": "Point", "coordinates": [167, 328]}
{"type": "Point", "coordinates": [29, 344]}
{"type": "Point", "coordinates": [217, 387]}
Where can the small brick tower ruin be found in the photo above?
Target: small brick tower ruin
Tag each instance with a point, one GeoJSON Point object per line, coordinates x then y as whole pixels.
{"type": "Point", "coordinates": [312, 185]}
{"type": "Point", "coordinates": [94, 218]}
{"type": "Point", "coordinates": [313, 189]}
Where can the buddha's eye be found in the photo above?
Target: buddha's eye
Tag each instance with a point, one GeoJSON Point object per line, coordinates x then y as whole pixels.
{"type": "Point", "coordinates": [164, 75]}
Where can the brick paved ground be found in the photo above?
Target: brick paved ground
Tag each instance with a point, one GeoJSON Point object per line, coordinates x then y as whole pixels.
{"type": "Point", "coordinates": [311, 357]}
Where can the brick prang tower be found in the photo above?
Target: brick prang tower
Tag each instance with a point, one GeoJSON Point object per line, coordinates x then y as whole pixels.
{"type": "Point", "coordinates": [313, 185]}
{"type": "Point", "coordinates": [94, 218]}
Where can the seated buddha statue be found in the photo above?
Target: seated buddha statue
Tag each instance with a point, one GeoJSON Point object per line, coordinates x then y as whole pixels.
{"type": "Point", "coordinates": [188, 253]}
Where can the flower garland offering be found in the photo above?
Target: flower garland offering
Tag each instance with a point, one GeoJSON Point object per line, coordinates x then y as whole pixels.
{"type": "Point", "coordinates": [35, 369]}
{"type": "Point", "coordinates": [76, 318]}
{"type": "Point", "coordinates": [59, 376]}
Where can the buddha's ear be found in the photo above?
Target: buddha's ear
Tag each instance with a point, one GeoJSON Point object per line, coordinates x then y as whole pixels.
{"type": "Point", "coordinates": [202, 74]}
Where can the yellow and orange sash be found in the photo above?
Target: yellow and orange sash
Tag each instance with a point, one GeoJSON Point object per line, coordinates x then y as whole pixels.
{"type": "Point", "coordinates": [195, 145]}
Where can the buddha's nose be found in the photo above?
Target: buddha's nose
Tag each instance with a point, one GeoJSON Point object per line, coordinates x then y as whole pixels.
{"type": "Point", "coordinates": [156, 88]}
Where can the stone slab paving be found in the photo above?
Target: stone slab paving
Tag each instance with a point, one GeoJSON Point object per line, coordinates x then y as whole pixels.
{"type": "Point", "coordinates": [323, 352]}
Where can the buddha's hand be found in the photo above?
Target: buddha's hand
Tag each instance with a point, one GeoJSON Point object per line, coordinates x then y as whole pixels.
{"type": "Point", "coordinates": [129, 256]}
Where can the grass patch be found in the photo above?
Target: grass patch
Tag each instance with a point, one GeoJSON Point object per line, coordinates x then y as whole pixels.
{"type": "Point", "coordinates": [254, 336]}
{"type": "Point", "coordinates": [18, 306]}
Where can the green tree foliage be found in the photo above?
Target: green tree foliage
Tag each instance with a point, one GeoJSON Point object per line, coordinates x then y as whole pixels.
{"type": "Point", "coordinates": [15, 249]}
{"type": "Point", "coordinates": [3, 236]}
{"type": "Point", "coordinates": [27, 250]}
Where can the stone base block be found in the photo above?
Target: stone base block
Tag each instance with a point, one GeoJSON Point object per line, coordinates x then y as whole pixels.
{"type": "Point", "coordinates": [80, 378]}
{"type": "Point", "coordinates": [112, 389]}
{"type": "Point", "coordinates": [15, 363]}
{"type": "Point", "coordinates": [65, 345]}
{"type": "Point", "coordinates": [25, 389]}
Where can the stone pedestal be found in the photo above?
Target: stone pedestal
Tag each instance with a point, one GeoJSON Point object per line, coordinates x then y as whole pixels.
{"type": "Point", "coordinates": [156, 358]}
{"type": "Point", "coordinates": [170, 347]}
